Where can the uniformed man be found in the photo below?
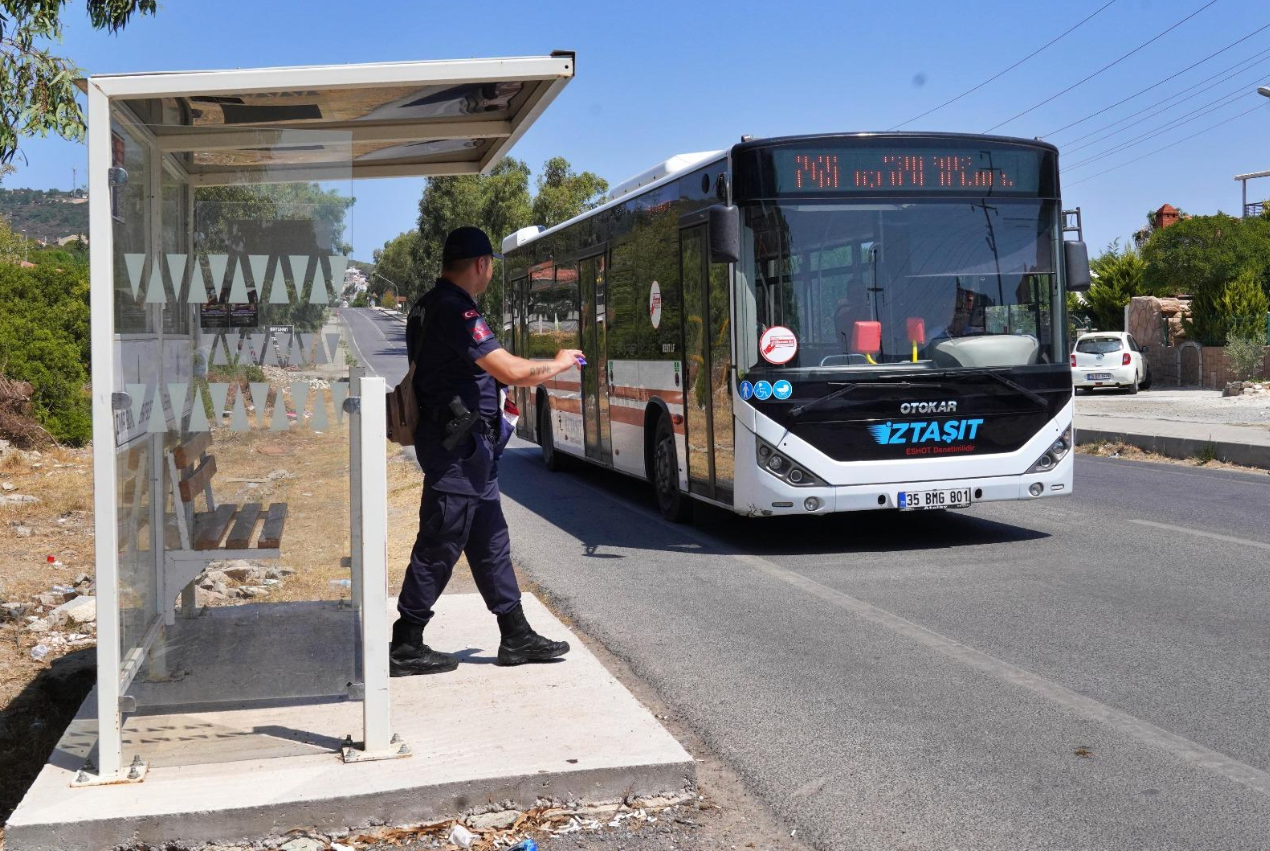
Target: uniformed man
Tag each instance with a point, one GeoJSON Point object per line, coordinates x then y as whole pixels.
{"type": "Point", "coordinates": [456, 355]}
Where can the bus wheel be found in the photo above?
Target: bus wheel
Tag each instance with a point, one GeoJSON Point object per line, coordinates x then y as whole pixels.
{"type": "Point", "coordinates": [674, 504]}
{"type": "Point", "coordinates": [553, 460]}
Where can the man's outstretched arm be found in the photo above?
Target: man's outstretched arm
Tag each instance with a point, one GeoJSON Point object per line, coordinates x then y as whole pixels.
{"type": "Point", "coordinates": [520, 372]}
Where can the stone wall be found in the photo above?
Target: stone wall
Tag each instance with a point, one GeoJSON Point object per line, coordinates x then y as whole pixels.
{"type": "Point", "coordinates": [1190, 365]}
{"type": "Point", "coordinates": [1156, 321]}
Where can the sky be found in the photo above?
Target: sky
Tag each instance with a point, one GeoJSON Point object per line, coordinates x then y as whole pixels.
{"type": "Point", "coordinates": [659, 78]}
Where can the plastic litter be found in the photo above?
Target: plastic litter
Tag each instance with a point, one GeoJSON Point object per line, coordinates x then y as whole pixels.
{"type": "Point", "coordinates": [341, 583]}
{"type": "Point", "coordinates": [53, 562]}
{"type": "Point", "coordinates": [527, 845]}
{"type": "Point", "coordinates": [38, 652]}
{"type": "Point", "coordinates": [461, 836]}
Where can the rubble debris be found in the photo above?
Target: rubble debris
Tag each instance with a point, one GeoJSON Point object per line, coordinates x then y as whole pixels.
{"type": "Point", "coordinates": [502, 820]}
{"type": "Point", "coordinates": [461, 836]}
{"type": "Point", "coordinates": [80, 610]}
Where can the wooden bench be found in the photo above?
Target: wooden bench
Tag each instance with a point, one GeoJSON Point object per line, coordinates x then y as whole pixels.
{"type": "Point", "coordinates": [222, 531]}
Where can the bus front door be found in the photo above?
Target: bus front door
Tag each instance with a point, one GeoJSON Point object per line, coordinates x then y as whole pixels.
{"type": "Point", "coordinates": [707, 368]}
{"type": "Point", "coordinates": [595, 378]}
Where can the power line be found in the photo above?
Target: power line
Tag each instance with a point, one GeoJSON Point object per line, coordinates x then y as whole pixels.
{"type": "Point", "coordinates": [1157, 85]}
{"type": "Point", "coordinates": [1167, 147]}
{"type": "Point", "coordinates": [1250, 63]}
{"type": "Point", "coordinates": [1240, 91]}
{"type": "Point", "coordinates": [1102, 69]}
{"type": "Point", "coordinates": [1047, 44]}
{"type": "Point", "coordinates": [1224, 101]}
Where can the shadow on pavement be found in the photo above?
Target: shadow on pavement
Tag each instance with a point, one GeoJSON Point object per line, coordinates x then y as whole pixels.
{"type": "Point", "coordinates": [605, 510]}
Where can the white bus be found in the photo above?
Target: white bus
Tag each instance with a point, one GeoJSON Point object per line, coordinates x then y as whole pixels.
{"type": "Point", "coordinates": [811, 324]}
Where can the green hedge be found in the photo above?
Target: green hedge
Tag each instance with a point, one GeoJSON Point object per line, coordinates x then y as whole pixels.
{"type": "Point", "coordinates": [44, 340]}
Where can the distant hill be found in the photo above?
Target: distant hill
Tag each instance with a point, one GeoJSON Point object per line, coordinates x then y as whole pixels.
{"type": "Point", "coordinates": [47, 214]}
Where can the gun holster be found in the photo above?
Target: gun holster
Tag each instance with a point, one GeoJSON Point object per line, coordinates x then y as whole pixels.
{"type": "Point", "coordinates": [461, 423]}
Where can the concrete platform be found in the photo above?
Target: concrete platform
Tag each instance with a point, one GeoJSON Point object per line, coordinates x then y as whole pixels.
{"type": "Point", "coordinates": [482, 734]}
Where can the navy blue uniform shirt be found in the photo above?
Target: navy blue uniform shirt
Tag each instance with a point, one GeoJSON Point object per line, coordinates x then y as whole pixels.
{"type": "Point", "coordinates": [445, 335]}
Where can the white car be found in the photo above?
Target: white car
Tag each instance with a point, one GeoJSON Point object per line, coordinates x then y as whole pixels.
{"type": "Point", "coordinates": [1109, 359]}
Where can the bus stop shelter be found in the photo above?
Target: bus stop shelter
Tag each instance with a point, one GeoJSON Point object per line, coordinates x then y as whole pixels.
{"type": "Point", "coordinates": [221, 211]}
{"type": "Point", "coordinates": [240, 482]}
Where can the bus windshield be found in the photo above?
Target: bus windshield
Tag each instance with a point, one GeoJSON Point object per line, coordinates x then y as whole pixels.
{"type": "Point", "coordinates": [931, 284]}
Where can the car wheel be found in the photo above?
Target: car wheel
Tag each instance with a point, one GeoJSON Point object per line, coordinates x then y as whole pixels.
{"type": "Point", "coordinates": [1145, 384]}
{"type": "Point", "coordinates": [1132, 389]}
{"type": "Point", "coordinates": [551, 458]}
{"type": "Point", "coordinates": [674, 504]}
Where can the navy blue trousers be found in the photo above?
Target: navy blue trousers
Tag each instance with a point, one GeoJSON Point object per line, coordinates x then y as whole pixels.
{"type": "Point", "coordinates": [449, 524]}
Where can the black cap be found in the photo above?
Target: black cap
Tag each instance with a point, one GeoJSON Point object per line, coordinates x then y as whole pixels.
{"type": "Point", "coordinates": [467, 242]}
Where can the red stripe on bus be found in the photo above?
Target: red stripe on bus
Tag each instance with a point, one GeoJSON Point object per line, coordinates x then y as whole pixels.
{"type": "Point", "coordinates": [641, 394]}
{"type": "Point", "coordinates": [634, 416]}
{"type": "Point", "coordinates": [553, 384]}
{"type": "Point", "coordinates": [569, 406]}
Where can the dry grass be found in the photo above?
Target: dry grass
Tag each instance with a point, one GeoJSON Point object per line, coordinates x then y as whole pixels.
{"type": "Point", "coordinates": [315, 544]}
{"type": "Point", "coordinates": [1115, 449]}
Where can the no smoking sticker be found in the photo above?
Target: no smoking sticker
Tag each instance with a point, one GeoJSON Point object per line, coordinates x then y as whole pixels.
{"type": "Point", "coordinates": [778, 345]}
{"type": "Point", "coordinates": [654, 305]}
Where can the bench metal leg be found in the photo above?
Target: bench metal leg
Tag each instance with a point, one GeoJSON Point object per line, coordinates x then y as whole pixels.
{"type": "Point", "coordinates": [189, 605]}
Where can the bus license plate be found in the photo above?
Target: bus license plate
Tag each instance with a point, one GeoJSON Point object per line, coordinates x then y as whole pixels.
{"type": "Point", "coordinates": [929, 500]}
{"type": "Point", "coordinates": [1098, 376]}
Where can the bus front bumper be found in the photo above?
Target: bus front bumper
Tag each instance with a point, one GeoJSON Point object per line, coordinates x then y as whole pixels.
{"type": "Point", "coordinates": [775, 497]}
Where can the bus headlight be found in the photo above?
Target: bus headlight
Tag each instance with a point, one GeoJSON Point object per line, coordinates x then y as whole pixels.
{"type": "Point", "coordinates": [1057, 451]}
{"type": "Point", "coordinates": [783, 468]}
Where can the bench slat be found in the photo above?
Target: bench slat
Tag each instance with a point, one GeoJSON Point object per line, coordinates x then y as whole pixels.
{"type": "Point", "coordinates": [210, 526]}
{"type": "Point", "coordinates": [196, 481]}
{"type": "Point", "coordinates": [271, 534]}
{"type": "Point", "coordinates": [188, 453]}
{"type": "Point", "coordinates": [240, 536]}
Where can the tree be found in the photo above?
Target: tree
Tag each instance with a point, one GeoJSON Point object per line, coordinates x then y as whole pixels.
{"type": "Point", "coordinates": [1200, 256]}
{"type": "Point", "coordinates": [394, 265]}
{"type": "Point", "coordinates": [1244, 306]}
{"type": "Point", "coordinates": [252, 219]}
{"type": "Point", "coordinates": [1120, 275]}
{"type": "Point", "coordinates": [562, 194]}
{"type": "Point", "coordinates": [37, 89]}
{"type": "Point", "coordinates": [499, 203]}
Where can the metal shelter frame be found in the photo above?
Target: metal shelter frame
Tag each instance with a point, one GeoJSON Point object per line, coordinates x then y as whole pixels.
{"type": "Point", "coordinates": [286, 158]}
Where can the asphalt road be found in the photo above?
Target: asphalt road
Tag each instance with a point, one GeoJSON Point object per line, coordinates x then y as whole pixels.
{"type": "Point", "coordinates": [378, 342]}
{"type": "Point", "coordinates": [1090, 672]}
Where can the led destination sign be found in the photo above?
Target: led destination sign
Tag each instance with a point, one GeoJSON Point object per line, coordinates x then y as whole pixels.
{"type": "Point", "coordinates": [802, 171]}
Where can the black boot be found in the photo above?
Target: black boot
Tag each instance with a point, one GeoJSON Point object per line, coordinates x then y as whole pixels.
{"type": "Point", "coordinates": [521, 644]}
{"type": "Point", "coordinates": [408, 655]}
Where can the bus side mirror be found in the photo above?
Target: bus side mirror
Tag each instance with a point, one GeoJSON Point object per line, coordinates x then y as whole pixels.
{"type": "Point", "coordinates": [1076, 259]}
{"type": "Point", "coordinates": [725, 234]}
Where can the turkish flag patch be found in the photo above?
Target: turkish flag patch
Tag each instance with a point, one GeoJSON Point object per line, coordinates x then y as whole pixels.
{"type": "Point", "coordinates": [471, 314]}
{"type": "Point", "coordinates": [481, 331]}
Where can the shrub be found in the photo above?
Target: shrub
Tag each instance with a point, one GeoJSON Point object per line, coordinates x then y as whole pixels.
{"type": "Point", "coordinates": [1246, 356]}
{"type": "Point", "coordinates": [44, 341]}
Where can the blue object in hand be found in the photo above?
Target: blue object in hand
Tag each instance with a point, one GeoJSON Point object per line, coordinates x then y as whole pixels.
{"type": "Point", "coordinates": [581, 362]}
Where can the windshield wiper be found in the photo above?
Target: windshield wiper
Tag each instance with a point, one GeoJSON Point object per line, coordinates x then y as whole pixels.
{"type": "Point", "coordinates": [1013, 385]}
{"type": "Point", "coordinates": [797, 412]}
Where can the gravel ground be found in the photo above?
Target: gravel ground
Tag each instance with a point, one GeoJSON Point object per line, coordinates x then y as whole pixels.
{"type": "Point", "coordinates": [1192, 406]}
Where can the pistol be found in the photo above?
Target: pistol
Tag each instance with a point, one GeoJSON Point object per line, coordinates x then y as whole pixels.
{"type": "Point", "coordinates": [458, 427]}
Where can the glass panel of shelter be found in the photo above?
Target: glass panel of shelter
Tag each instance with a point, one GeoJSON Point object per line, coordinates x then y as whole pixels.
{"type": "Point", "coordinates": [233, 478]}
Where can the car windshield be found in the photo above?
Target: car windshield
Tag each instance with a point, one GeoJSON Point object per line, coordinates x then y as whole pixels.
{"type": "Point", "coordinates": [931, 284]}
{"type": "Point", "coordinates": [1099, 345]}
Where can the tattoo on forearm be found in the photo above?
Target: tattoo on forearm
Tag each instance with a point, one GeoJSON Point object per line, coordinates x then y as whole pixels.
{"type": "Point", "coordinates": [538, 371]}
